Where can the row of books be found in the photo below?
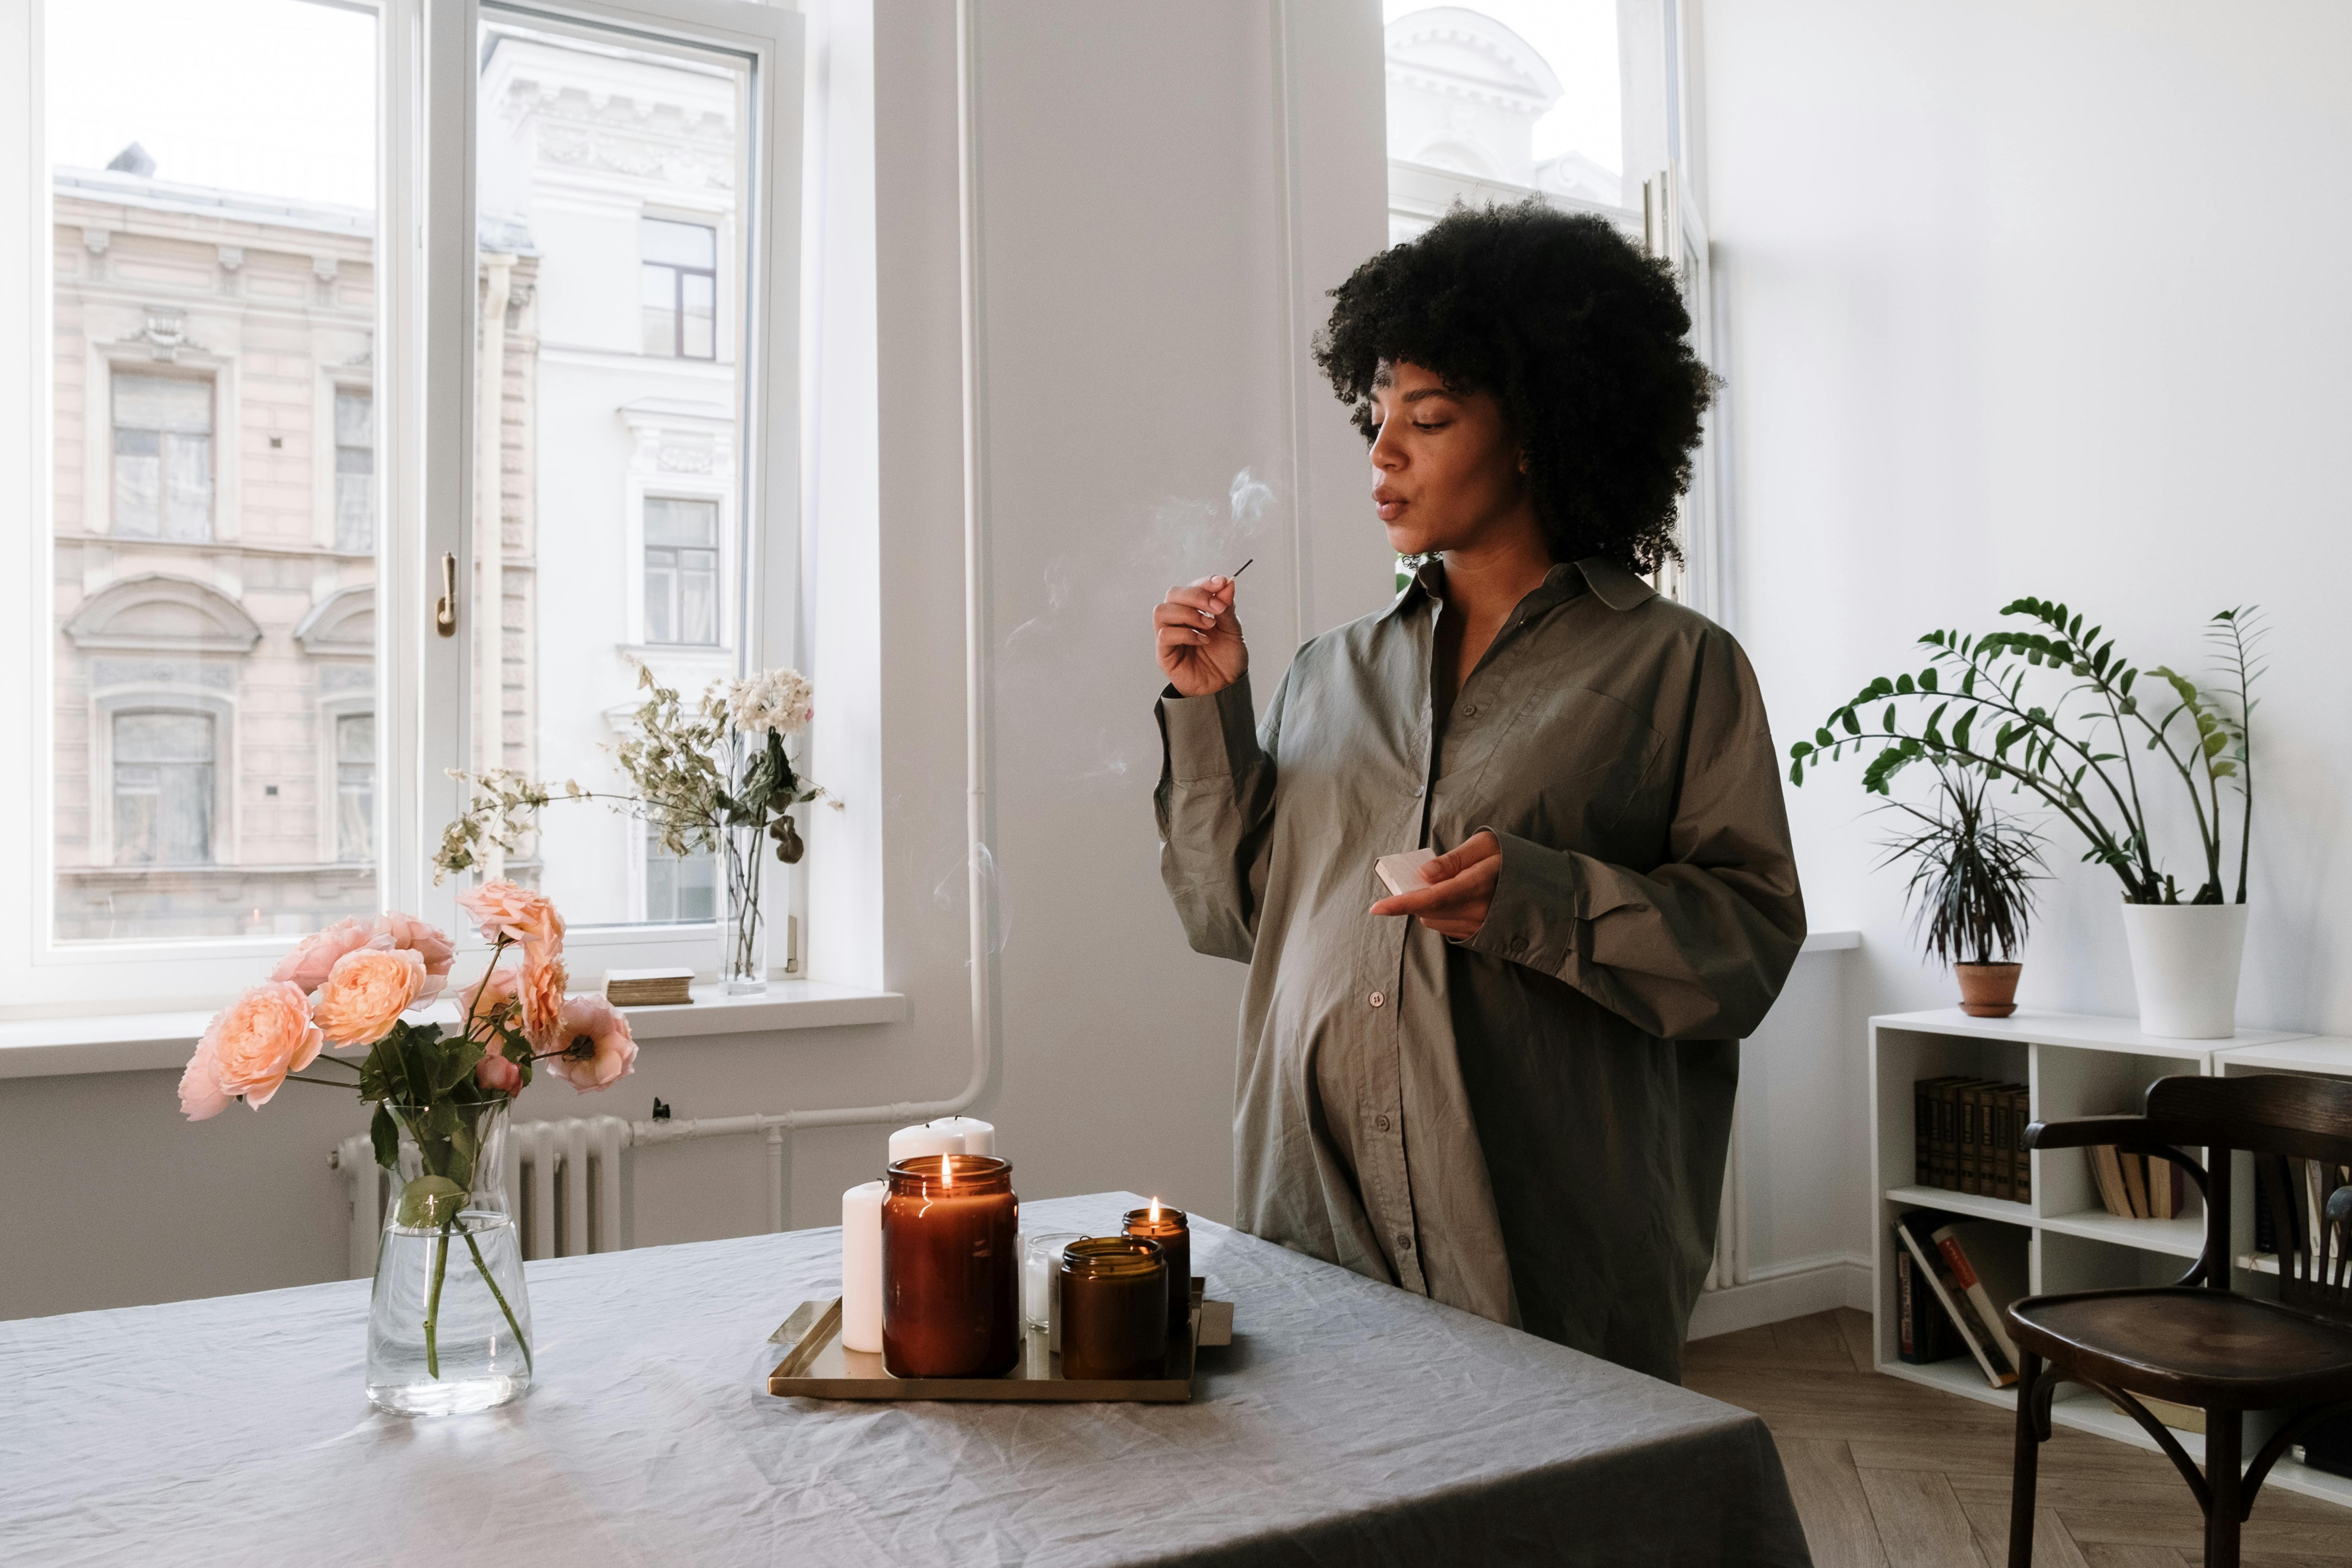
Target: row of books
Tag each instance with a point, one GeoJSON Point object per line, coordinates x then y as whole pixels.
{"type": "Point", "coordinates": [1971, 1135]}
{"type": "Point", "coordinates": [2137, 1186]}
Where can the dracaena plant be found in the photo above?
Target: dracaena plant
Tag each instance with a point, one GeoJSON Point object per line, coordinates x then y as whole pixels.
{"type": "Point", "coordinates": [1972, 870]}
{"type": "Point", "coordinates": [1985, 704]}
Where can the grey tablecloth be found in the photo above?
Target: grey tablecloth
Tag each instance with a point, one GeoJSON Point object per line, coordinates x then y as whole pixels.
{"type": "Point", "coordinates": [1349, 1423]}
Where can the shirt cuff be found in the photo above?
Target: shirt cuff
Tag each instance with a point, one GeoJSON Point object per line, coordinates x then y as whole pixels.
{"type": "Point", "coordinates": [1537, 915]}
{"type": "Point", "coordinates": [1209, 737]}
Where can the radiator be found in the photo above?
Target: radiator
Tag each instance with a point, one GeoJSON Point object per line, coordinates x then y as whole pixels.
{"type": "Point", "coordinates": [563, 1178]}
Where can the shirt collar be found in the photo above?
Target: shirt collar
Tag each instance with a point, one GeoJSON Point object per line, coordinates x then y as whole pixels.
{"type": "Point", "coordinates": [1611, 584]}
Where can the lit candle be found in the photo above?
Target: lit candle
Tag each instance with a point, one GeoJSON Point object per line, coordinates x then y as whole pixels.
{"type": "Point", "coordinates": [861, 1267]}
{"type": "Point", "coordinates": [951, 1268]}
{"type": "Point", "coordinates": [1114, 1309]}
{"type": "Point", "coordinates": [1174, 1232]}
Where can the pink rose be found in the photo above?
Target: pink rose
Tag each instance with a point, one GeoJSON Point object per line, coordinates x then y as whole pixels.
{"type": "Point", "coordinates": [254, 1041]}
{"type": "Point", "coordinates": [596, 1049]}
{"type": "Point", "coordinates": [490, 1000]}
{"type": "Point", "coordinates": [502, 908]}
{"type": "Point", "coordinates": [307, 965]}
{"type": "Point", "coordinates": [432, 943]}
{"type": "Point", "coordinates": [498, 1074]}
{"type": "Point", "coordinates": [201, 1095]}
{"type": "Point", "coordinates": [541, 995]}
{"type": "Point", "coordinates": [366, 993]}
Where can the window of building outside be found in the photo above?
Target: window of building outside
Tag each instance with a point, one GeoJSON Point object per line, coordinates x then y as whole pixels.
{"type": "Point", "coordinates": [680, 280]}
{"type": "Point", "coordinates": [680, 888]}
{"type": "Point", "coordinates": [354, 473]}
{"type": "Point", "coordinates": [681, 571]}
{"type": "Point", "coordinates": [222, 477]}
{"type": "Point", "coordinates": [162, 457]}
{"type": "Point", "coordinates": [355, 787]}
{"type": "Point", "coordinates": [162, 789]}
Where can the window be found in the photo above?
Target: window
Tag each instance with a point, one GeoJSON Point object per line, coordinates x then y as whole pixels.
{"type": "Point", "coordinates": [680, 280]}
{"type": "Point", "coordinates": [162, 457]}
{"type": "Point", "coordinates": [681, 571]}
{"type": "Point", "coordinates": [163, 788]}
{"type": "Point", "coordinates": [680, 890]}
{"type": "Point", "coordinates": [354, 473]}
{"type": "Point", "coordinates": [355, 787]}
{"type": "Point", "coordinates": [239, 727]}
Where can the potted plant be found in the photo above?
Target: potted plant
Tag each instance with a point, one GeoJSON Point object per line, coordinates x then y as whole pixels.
{"type": "Point", "coordinates": [2077, 755]}
{"type": "Point", "coordinates": [1971, 893]}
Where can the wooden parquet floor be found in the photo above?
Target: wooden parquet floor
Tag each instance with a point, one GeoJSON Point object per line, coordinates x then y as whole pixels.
{"type": "Point", "coordinates": [1887, 1474]}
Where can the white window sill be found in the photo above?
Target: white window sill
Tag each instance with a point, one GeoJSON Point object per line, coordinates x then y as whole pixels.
{"type": "Point", "coordinates": [143, 1042]}
{"type": "Point", "coordinates": [1830, 940]}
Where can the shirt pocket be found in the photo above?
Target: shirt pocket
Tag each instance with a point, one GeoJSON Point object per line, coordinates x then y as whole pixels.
{"type": "Point", "coordinates": [1579, 770]}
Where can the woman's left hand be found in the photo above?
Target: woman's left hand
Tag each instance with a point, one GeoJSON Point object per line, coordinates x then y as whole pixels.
{"type": "Point", "coordinates": [1461, 886]}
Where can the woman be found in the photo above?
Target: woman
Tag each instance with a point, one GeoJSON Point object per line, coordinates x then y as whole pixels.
{"type": "Point", "coordinates": [1509, 1087]}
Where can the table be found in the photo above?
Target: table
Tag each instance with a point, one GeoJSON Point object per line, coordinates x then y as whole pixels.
{"type": "Point", "coordinates": [1349, 1423]}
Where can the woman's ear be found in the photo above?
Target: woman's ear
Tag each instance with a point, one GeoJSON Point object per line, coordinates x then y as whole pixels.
{"type": "Point", "coordinates": [1523, 460]}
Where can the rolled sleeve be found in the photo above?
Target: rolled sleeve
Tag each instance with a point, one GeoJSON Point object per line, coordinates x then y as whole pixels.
{"type": "Point", "coordinates": [1209, 738]}
{"type": "Point", "coordinates": [1541, 911]}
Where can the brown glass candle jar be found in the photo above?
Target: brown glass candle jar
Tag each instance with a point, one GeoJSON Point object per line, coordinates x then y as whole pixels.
{"type": "Point", "coordinates": [951, 1268]}
{"type": "Point", "coordinates": [1174, 1232]}
{"type": "Point", "coordinates": [1114, 1308]}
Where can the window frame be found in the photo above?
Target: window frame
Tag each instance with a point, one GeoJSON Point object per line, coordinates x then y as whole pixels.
{"type": "Point", "coordinates": [423, 388]}
{"type": "Point", "coordinates": [678, 274]}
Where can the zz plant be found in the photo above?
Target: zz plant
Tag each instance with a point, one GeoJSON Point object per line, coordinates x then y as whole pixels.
{"type": "Point", "coordinates": [1969, 710]}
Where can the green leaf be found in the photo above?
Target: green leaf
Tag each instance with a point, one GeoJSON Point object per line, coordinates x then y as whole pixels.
{"type": "Point", "coordinates": [1823, 738]}
{"type": "Point", "coordinates": [1846, 718]}
{"type": "Point", "coordinates": [1903, 686]}
{"type": "Point", "coordinates": [1888, 722]}
{"type": "Point", "coordinates": [1802, 748]}
{"type": "Point", "coordinates": [1960, 729]}
{"type": "Point", "coordinates": [384, 1134]}
{"type": "Point", "coordinates": [1797, 773]}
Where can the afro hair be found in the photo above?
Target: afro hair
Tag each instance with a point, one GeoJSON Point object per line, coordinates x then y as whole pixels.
{"type": "Point", "coordinates": [1581, 338]}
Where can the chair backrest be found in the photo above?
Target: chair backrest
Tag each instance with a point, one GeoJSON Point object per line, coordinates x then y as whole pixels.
{"type": "Point", "coordinates": [2299, 1132]}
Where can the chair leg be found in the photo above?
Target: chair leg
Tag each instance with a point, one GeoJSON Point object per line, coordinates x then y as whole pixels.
{"type": "Point", "coordinates": [2029, 1457]}
{"type": "Point", "coordinates": [2224, 1442]}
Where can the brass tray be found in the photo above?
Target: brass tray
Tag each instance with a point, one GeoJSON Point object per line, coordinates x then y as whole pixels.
{"type": "Point", "coordinates": [817, 1366]}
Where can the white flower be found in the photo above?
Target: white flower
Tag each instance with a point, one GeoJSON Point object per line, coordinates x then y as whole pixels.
{"type": "Point", "coordinates": [779, 699]}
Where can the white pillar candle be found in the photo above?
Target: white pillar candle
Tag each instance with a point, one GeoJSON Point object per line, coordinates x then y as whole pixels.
{"type": "Point", "coordinates": [914, 1143]}
{"type": "Point", "coordinates": [979, 1137]}
{"type": "Point", "coordinates": [861, 1267]}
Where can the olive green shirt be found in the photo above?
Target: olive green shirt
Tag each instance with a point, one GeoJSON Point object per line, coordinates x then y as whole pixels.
{"type": "Point", "coordinates": [1530, 1125]}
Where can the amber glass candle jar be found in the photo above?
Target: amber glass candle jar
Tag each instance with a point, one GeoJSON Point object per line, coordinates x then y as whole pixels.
{"type": "Point", "coordinates": [951, 1268]}
{"type": "Point", "coordinates": [1169, 1228]}
{"type": "Point", "coordinates": [1114, 1308]}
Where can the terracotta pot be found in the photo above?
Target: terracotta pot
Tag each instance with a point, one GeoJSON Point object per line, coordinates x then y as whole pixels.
{"type": "Point", "coordinates": [1988, 990]}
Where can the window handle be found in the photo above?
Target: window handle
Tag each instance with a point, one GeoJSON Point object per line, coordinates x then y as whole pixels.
{"type": "Point", "coordinates": [445, 613]}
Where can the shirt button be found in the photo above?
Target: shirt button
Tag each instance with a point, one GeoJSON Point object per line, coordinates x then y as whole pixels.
{"type": "Point", "coordinates": [1381, 1122]}
{"type": "Point", "coordinates": [1377, 998]}
{"type": "Point", "coordinates": [1404, 1242]}
{"type": "Point", "coordinates": [1471, 711]}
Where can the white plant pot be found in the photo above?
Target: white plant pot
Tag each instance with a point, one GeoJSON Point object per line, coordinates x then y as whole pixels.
{"type": "Point", "coordinates": [2185, 960]}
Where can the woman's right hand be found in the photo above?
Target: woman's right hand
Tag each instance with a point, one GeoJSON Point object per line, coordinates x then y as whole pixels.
{"type": "Point", "coordinates": [1200, 646]}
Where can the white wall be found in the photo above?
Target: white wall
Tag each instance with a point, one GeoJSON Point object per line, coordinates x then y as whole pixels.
{"type": "Point", "coordinates": [1148, 274]}
{"type": "Point", "coordinates": [2043, 298]}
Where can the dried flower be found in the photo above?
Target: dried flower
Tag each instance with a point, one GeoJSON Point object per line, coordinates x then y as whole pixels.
{"type": "Point", "coordinates": [778, 699]}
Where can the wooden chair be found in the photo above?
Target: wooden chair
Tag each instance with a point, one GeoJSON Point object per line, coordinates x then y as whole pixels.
{"type": "Point", "coordinates": [2197, 1342]}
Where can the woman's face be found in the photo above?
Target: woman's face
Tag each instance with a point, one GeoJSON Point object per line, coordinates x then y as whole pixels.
{"type": "Point", "coordinates": [1446, 474]}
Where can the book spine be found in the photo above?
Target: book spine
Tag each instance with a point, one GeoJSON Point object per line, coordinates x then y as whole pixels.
{"type": "Point", "coordinates": [2000, 1167]}
{"type": "Point", "coordinates": [2022, 1113]}
{"type": "Point", "coordinates": [1923, 1132]}
{"type": "Point", "coordinates": [1964, 1274]}
{"type": "Point", "coordinates": [1924, 1256]}
{"type": "Point", "coordinates": [1906, 1333]}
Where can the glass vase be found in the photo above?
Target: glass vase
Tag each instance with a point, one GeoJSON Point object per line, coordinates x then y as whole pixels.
{"type": "Point", "coordinates": [449, 1323]}
{"type": "Point", "coordinates": [743, 934]}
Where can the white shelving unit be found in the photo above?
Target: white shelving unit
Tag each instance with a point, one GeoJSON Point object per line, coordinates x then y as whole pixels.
{"type": "Point", "coordinates": [2072, 1065]}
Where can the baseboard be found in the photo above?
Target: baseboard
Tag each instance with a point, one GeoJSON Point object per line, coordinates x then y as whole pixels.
{"type": "Point", "coordinates": [1785, 1290]}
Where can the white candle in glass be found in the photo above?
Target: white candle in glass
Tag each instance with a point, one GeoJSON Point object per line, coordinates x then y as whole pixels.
{"type": "Point", "coordinates": [914, 1143]}
{"type": "Point", "coordinates": [861, 1267]}
{"type": "Point", "coordinates": [979, 1137]}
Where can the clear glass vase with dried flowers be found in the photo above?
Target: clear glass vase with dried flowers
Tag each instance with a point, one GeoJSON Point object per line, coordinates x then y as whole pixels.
{"type": "Point", "coordinates": [440, 1340]}
{"type": "Point", "coordinates": [712, 777]}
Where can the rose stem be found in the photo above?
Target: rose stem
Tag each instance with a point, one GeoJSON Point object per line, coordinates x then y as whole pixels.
{"type": "Point", "coordinates": [499, 1296]}
{"type": "Point", "coordinates": [433, 1302]}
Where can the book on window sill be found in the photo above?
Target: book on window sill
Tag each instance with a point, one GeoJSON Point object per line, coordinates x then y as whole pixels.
{"type": "Point", "coordinates": [648, 987]}
{"type": "Point", "coordinates": [1918, 1229]}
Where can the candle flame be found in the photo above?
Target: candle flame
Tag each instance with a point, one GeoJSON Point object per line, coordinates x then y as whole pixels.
{"type": "Point", "coordinates": [1155, 1211]}
{"type": "Point", "coordinates": [947, 1170]}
